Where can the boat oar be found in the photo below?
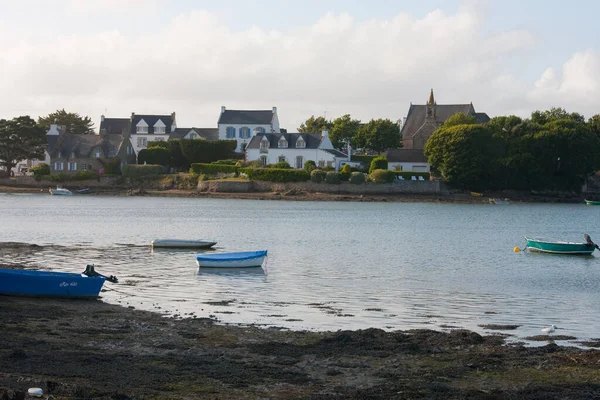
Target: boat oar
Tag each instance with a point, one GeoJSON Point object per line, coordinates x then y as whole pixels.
{"type": "Point", "coordinates": [89, 271]}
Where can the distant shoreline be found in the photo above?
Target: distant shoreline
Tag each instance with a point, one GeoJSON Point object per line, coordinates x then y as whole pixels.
{"type": "Point", "coordinates": [463, 198]}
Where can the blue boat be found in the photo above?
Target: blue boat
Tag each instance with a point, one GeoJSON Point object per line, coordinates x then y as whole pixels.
{"type": "Point", "coordinates": [547, 246]}
{"type": "Point", "coordinates": [52, 284]}
{"type": "Point", "coordinates": [242, 259]}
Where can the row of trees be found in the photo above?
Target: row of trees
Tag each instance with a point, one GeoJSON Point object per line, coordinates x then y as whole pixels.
{"type": "Point", "coordinates": [376, 135]}
{"type": "Point", "coordinates": [551, 150]}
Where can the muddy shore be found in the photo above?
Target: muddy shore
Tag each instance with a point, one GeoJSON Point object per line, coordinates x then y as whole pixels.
{"type": "Point", "coordinates": [87, 349]}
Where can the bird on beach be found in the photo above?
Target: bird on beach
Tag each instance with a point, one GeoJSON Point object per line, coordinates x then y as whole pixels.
{"type": "Point", "coordinates": [550, 329]}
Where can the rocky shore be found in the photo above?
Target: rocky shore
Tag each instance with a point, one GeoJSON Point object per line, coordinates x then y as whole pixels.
{"type": "Point", "coordinates": [87, 349]}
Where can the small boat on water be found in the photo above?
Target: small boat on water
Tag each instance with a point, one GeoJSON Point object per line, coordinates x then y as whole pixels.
{"type": "Point", "coordinates": [557, 247]}
{"type": "Point", "coordinates": [182, 244]}
{"type": "Point", "coordinates": [592, 202]}
{"type": "Point", "coordinates": [18, 282]}
{"type": "Point", "coordinates": [60, 192]}
{"type": "Point", "coordinates": [243, 259]}
{"type": "Point", "coordinates": [499, 201]}
{"type": "Point", "coordinates": [83, 191]}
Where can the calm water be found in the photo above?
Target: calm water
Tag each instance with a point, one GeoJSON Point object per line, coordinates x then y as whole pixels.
{"type": "Point", "coordinates": [331, 265]}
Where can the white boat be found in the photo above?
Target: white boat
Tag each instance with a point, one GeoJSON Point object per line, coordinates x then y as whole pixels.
{"type": "Point", "coordinates": [499, 201]}
{"type": "Point", "coordinates": [60, 191]}
{"type": "Point", "coordinates": [182, 244]}
{"type": "Point", "coordinates": [243, 259]}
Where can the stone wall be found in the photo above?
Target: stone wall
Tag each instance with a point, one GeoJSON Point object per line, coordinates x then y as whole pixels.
{"type": "Point", "coordinates": [29, 181]}
{"type": "Point", "coordinates": [342, 188]}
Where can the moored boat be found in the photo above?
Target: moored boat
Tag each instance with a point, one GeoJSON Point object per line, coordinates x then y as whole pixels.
{"type": "Point", "coordinates": [559, 247]}
{"type": "Point", "coordinates": [592, 202]}
{"type": "Point", "coordinates": [60, 191]}
{"type": "Point", "coordinates": [499, 201]}
{"type": "Point", "coordinates": [182, 244]}
{"type": "Point", "coordinates": [83, 191]}
{"type": "Point", "coordinates": [53, 284]}
{"type": "Point", "coordinates": [242, 259]}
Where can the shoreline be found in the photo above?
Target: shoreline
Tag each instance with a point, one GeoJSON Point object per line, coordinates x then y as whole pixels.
{"type": "Point", "coordinates": [92, 349]}
{"type": "Point", "coordinates": [296, 195]}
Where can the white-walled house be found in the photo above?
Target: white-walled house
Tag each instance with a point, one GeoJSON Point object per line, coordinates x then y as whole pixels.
{"type": "Point", "coordinates": [294, 148]}
{"type": "Point", "coordinates": [412, 160]}
{"type": "Point", "coordinates": [243, 125]}
{"type": "Point", "coordinates": [149, 128]}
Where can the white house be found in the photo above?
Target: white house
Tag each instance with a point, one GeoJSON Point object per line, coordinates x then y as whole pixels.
{"type": "Point", "coordinates": [195, 133]}
{"type": "Point", "coordinates": [412, 160]}
{"type": "Point", "coordinates": [294, 148]}
{"type": "Point", "coordinates": [243, 125]}
{"type": "Point", "coordinates": [148, 128]}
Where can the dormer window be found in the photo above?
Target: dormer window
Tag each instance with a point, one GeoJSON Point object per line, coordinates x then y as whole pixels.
{"type": "Point", "coordinates": [264, 144]}
{"type": "Point", "coordinates": [159, 129]}
{"type": "Point", "coordinates": [300, 143]}
{"type": "Point", "coordinates": [141, 127]}
{"type": "Point", "coordinates": [282, 144]}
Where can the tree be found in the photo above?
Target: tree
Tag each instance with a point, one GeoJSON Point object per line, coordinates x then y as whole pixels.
{"type": "Point", "coordinates": [73, 122]}
{"type": "Point", "coordinates": [594, 124]}
{"type": "Point", "coordinates": [465, 155]}
{"type": "Point", "coordinates": [554, 114]}
{"type": "Point", "coordinates": [343, 130]}
{"type": "Point", "coordinates": [460, 119]}
{"type": "Point", "coordinates": [20, 139]}
{"type": "Point", "coordinates": [378, 135]}
{"type": "Point", "coordinates": [314, 125]}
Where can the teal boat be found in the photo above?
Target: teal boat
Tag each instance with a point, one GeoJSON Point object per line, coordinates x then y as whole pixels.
{"type": "Point", "coordinates": [592, 203]}
{"type": "Point", "coordinates": [545, 246]}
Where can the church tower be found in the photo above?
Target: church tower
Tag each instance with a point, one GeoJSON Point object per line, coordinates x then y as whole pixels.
{"type": "Point", "coordinates": [431, 105]}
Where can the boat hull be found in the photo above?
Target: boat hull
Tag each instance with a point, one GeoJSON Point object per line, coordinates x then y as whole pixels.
{"type": "Point", "coordinates": [542, 246]}
{"type": "Point", "coordinates": [61, 192]}
{"type": "Point", "coordinates": [592, 203]}
{"type": "Point", "coordinates": [48, 283]}
{"type": "Point", "coordinates": [182, 244]}
{"type": "Point", "coordinates": [253, 259]}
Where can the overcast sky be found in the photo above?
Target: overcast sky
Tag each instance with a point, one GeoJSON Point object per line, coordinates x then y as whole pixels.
{"type": "Point", "coordinates": [366, 58]}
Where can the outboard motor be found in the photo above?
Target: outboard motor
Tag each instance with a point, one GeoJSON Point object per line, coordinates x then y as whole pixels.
{"type": "Point", "coordinates": [589, 241]}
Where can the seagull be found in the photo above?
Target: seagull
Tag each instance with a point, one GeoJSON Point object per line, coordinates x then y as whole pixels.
{"type": "Point", "coordinates": [550, 329]}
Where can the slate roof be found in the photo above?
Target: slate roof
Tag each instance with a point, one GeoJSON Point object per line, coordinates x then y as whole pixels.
{"type": "Point", "coordinates": [82, 145]}
{"type": "Point", "coordinates": [151, 120]}
{"type": "Point", "coordinates": [335, 152]}
{"type": "Point", "coordinates": [206, 133]}
{"type": "Point", "coordinates": [115, 125]}
{"type": "Point", "coordinates": [417, 113]}
{"type": "Point", "coordinates": [482, 118]}
{"type": "Point", "coordinates": [313, 140]}
{"type": "Point", "coordinates": [250, 117]}
{"type": "Point", "coordinates": [405, 155]}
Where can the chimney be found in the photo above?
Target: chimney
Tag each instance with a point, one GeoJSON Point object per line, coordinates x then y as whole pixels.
{"type": "Point", "coordinates": [349, 152]}
{"type": "Point", "coordinates": [274, 110]}
{"type": "Point", "coordinates": [223, 109]}
{"type": "Point", "coordinates": [132, 116]}
{"type": "Point", "coordinates": [102, 118]}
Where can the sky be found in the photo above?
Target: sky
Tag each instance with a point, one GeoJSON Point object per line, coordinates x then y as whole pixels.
{"type": "Point", "coordinates": [369, 59]}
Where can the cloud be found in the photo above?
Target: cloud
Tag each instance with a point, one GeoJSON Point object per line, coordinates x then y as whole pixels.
{"type": "Point", "coordinates": [194, 63]}
{"type": "Point", "coordinates": [93, 7]}
{"type": "Point", "coordinates": [576, 87]}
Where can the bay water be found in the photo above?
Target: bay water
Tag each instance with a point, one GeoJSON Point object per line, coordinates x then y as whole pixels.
{"type": "Point", "coordinates": [331, 265]}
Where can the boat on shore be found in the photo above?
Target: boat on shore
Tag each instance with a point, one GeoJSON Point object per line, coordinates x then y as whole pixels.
{"type": "Point", "coordinates": [182, 244]}
{"type": "Point", "coordinates": [558, 247]}
{"type": "Point", "coordinates": [499, 201]}
{"type": "Point", "coordinates": [83, 191]}
{"type": "Point", "coordinates": [592, 202]}
{"type": "Point", "coordinates": [16, 282]}
{"type": "Point", "coordinates": [60, 191]}
{"type": "Point", "coordinates": [242, 259]}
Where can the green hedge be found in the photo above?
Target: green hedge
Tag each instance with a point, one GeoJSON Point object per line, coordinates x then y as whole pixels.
{"type": "Point", "coordinates": [276, 174]}
{"type": "Point", "coordinates": [357, 178]}
{"type": "Point", "coordinates": [382, 176]}
{"type": "Point", "coordinates": [213, 169]}
{"type": "Point", "coordinates": [363, 159]}
{"type": "Point", "coordinates": [134, 171]}
{"type": "Point", "coordinates": [317, 175]}
{"type": "Point", "coordinates": [332, 177]}
{"type": "Point", "coordinates": [407, 175]}
{"type": "Point", "coordinates": [379, 162]}
{"type": "Point", "coordinates": [155, 156]}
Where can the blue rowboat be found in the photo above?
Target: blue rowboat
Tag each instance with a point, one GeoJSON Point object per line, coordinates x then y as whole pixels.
{"type": "Point", "coordinates": [546, 246]}
{"type": "Point", "coordinates": [243, 259]}
{"type": "Point", "coordinates": [52, 284]}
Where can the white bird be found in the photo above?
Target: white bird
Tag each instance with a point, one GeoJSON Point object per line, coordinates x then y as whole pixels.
{"type": "Point", "coordinates": [550, 329]}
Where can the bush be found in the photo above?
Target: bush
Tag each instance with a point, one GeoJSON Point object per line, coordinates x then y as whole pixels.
{"type": "Point", "coordinates": [282, 165]}
{"type": "Point", "coordinates": [378, 163]}
{"type": "Point", "coordinates": [226, 162]}
{"type": "Point", "coordinates": [332, 177]}
{"type": "Point", "coordinates": [382, 176]}
{"type": "Point", "coordinates": [155, 156]}
{"type": "Point", "coordinates": [40, 170]}
{"type": "Point", "coordinates": [207, 151]}
{"type": "Point", "coordinates": [309, 166]}
{"type": "Point", "coordinates": [83, 176]}
{"type": "Point", "coordinates": [357, 178]}
{"type": "Point", "coordinates": [57, 177]}
{"type": "Point", "coordinates": [317, 175]}
{"type": "Point", "coordinates": [134, 171]}
{"type": "Point", "coordinates": [346, 168]}
{"type": "Point", "coordinates": [345, 176]}
{"type": "Point", "coordinates": [213, 169]}
{"type": "Point", "coordinates": [276, 174]}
